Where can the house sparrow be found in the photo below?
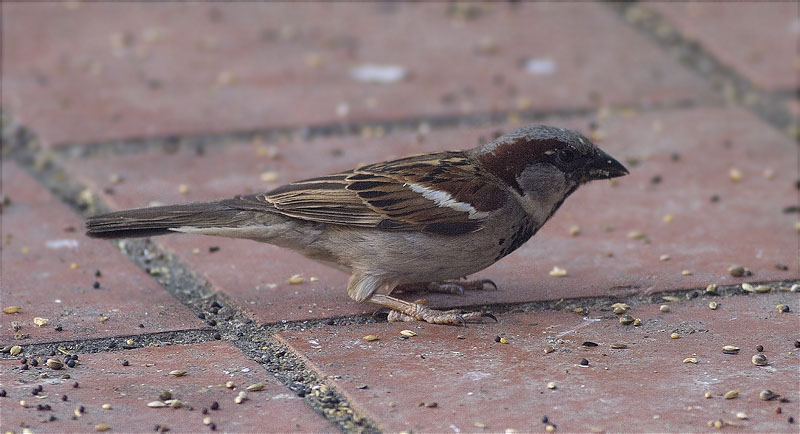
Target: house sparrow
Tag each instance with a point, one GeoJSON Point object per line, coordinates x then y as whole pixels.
{"type": "Point", "coordinates": [420, 222]}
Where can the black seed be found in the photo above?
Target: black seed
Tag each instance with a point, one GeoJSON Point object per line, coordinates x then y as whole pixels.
{"type": "Point", "coordinates": [96, 285]}
{"type": "Point", "coordinates": [71, 363]}
{"type": "Point", "coordinates": [23, 360]}
{"type": "Point", "coordinates": [217, 336]}
{"type": "Point", "coordinates": [34, 363]}
{"type": "Point", "coordinates": [584, 362]}
{"type": "Point", "coordinates": [125, 363]}
{"type": "Point", "coordinates": [39, 388]}
{"type": "Point", "coordinates": [791, 419]}
{"type": "Point", "coordinates": [204, 411]}
{"type": "Point", "coordinates": [52, 353]}
{"type": "Point", "coordinates": [214, 310]}
{"type": "Point", "coordinates": [213, 249]}
{"type": "Point", "coordinates": [75, 385]}
{"type": "Point", "coordinates": [58, 329]}
{"type": "Point", "coordinates": [212, 427]}
{"type": "Point", "coordinates": [52, 418]}
{"type": "Point", "coordinates": [112, 345]}
{"type": "Point", "coordinates": [715, 198]}
{"type": "Point", "coordinates": [24, 367]}
{"type": "Point", "coordinates": [2, 393]}
{"type": "Point", "coordinates": [64, 397]}
{"type": "Point", "coordinates": [329, 321]}
{"type": "Point", "coordinates": [797, 344]}
{"type": "Point", "coordinates": [215, 405]}
{"type": "Point", "coordinates": [497, 338]}
{"type": "Point", "coordinates": [67, 358]}
{"type": "Point", "coordinates": [675, 156]}
{"type": "Point", "coordinates": [759, 348]}
{"type": "Point", "coordinates": [201, 315]}
{"type": "Point", "coordinates": [589, 344]}
{"type": "Point", "coordinates": [782, 267]}
{"type": "Point", "coordinates": [81, 409]}
{"type": "Point", "coordinates": [656, 179]}
{"type": "Point", "coordinates": [545, 419]}
{"type": "Point", "coordinates": [141, 326]}
{"type": "Point", "coordinates": [35, 391]}
{"type": "Point", "coordinates": [211, 322]}
{"type": "Point", "coordinates": [216, 304]}
{"type": "Point", "coordinates": [785, 308]}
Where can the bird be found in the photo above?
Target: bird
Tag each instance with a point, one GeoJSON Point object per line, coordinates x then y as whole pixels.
{"type": "Point", "coordinates": [423, 222]}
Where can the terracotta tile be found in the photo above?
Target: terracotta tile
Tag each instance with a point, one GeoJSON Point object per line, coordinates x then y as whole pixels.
{"type": "Point", "coordinates": [108, 71]}
{"type": "Point", "coordinates": [746, 226]}
{"type": "Point", "coordinates": [758, 40]}
{"type": "Point", "coordinates": [42, 238]}
{"type": "Point", "coordinates": [104, 380]}
{"type": "Point", "coordinates": [478, 384]}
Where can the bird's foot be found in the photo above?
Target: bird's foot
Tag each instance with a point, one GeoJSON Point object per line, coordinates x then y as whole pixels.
{"type": "Point", "coordinates": [402, 310]}
{"type": "Point", "coordinates": [456, 287]}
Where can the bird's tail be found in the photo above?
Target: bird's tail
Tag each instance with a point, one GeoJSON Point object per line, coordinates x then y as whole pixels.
{"type": "Point", "coordinates": [160, 220]}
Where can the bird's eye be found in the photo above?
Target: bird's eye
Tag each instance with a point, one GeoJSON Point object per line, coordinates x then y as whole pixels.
{"type": "Point", "coordinates": [566, 156]}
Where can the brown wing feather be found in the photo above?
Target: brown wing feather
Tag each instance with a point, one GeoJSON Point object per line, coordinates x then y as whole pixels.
{"type": "Point", "coordinates": [383, 196]}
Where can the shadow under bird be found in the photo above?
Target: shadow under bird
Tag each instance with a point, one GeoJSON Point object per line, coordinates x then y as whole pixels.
{"type": "Point", "coordinates": [417, 223]}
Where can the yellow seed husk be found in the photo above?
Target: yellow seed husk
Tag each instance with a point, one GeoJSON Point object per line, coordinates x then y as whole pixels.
{"type": "Point", "coordinates": [257, 386]}
{"type": "Point", "coordinates": [106, 406]}
{"type": "Point", "coordinates": [636, 235]}
{"type": "Point", "coordinates": [551, 385]}
{"type": "Point", "coordinates": [39, 321]}
{"type": "Point", "coordinates": [178, 372]}
{"type": "Point", "coordinates": [503, 340]}
{"type": "Point", "coordinates": [230, 384]}
{"type": "Point", "coordinates": [690, 360]}
{"type": "Point", "coordinates": [686, 273]}
{"type": "Point", "coordinates": [671, 298]}
{"type": "Point", "coordinates": [370, 338]}
{"type": "Point", "coordinates": [707, 394]}
{"type": "Point", "coordinates": [748, 287]}
{"type": "Point", "coordinates": [102, 427]}
{"type": "Point", "coordinates": [11, 309]}
{"type": "Point", "coordinates": [712, 288]}
{"type": "Point", "coordinates": [16, 349]}
{"type": "Point", "coordinates": [207, 420]}
{"type": "Point", "coordinates": [156, 404]}
{"type": "Point", "coordinates": [674, 336]}
{"type": "Point", "coordinates": [713, 305]}
{"type": "Point", "coordinates": [741, 415]}
{"type": "Point", "coordinates": [296, 279]}
{"type": "Point", "coordinates": [730, 348]}
{"type": "Point", "coordinates": [54, 364]}
{"type": "Point", "coordinates": [731, 394]}
{"type": "Point", "coordinates": [408, 333]}
{"type": "Point", "coordinates": [558, 272]}
{"type": "Point", "coordinates": [548, 349]}
{"type": "Point", "coordinates": [762, 289]}
{"type": "Point", "coordinates": [637, 322]}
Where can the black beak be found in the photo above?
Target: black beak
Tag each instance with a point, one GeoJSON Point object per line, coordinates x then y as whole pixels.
{"type": "Point", "coordinates": [603, 166]}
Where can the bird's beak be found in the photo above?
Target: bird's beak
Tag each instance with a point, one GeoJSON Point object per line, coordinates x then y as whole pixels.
{"type": "Point", "coordinates": [603, 166]}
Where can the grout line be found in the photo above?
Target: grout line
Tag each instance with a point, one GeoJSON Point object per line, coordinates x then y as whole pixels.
{"type": "Point", "coordinates": [337, 129]}
{"type": "Point", "coordinates": [734, 87]}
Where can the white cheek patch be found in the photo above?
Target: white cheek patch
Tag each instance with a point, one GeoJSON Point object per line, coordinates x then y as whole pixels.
{"type": "Point", "coordinates": [444, 199]}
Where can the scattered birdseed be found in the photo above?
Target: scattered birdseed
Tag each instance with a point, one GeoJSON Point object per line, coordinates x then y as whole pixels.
{"type": "Point", "coordinates": [707, 395]}
{"type": "Point", "coordinates": [730, 349]}
{"type": "Point", "coordinates": [664, 308]}
{"type": "Point", "coordinates": [760, 360]}
{"type": "Point", "coordinates": [156, 404]}
{"type": "Point", "coordinates": [39, 322]}
{"type": "Point", "coordinates": [11, 309]}
{"type": "Point", "coordinates": [269, 176]}
{"type": "Point", "coordinates": [551, 385]}
{"type": "Point", "coordinates": [125, 363]}
{"type": "Point", "coordinates": [637, 322]}
{"type": "Point", "coordinates": [668, 218]}
{"type": "Point", "coordinates": [256, 386]}
{"type": "Point", "coordinates": [230, 384]}
{"type": "Point", "coordinates": [102, 427]}
{"type": "Point", "coordinates": [782, 308]}
{"type": "Point", "coordinates": [106, 406]}
{"type": "Point", "coordinates": [626, 319]}
{"type": "Point", "coordinates": [636, 235]}
{"type": "Point", "coordinates": [767, 395]}
{"type": "Point", "coordinates": [731, 394]}
{"type": "Point", "coordinates": [762, 289]}
{"type": "Point", "coordinates": [548, 349]}
{"type": "Point", "coordinates": [408, 333]}
{"type": "Point", "coordinates": [690, 360]}
{"type": "Point", "coordinates": [741, 415]}
{"type": "Point", "coordinates": [432, 404]}
{"type": "Point", "coordinates": [736, 270]}
{"type": "Point", "coordinates": [550, 428]}
{"type": "Point", "coordinates": [748, 287]}
{"type": "Point", "coordinates": [620, 308]}
{"type": "Point", "coordinates": [619, 346]}
{"type": "Point", "coordinates": [178, 372]}
{"type": "Point", "coordinates": [735, 174]}
{"type": "Point", "coordinates": [165, 395]}
{"type": "Point", "coordinates": [671, 298]}
{"type": "Point", "coordinates": [54, 364]}
{"type": "Point", "coordinates": [479, 425]}
{"type": "Point", "coordinates": [370, 338]}
{"type": "Point", "coordinates": [713, 305]}
{"type": "Point", "coordinates": [674, 335]}
{"type": "Point", "coordinates": [558, 272]}
{"type": "Point", "coordinates": [686, 272]}
{"type": "Point", "coordinates": [240, 398]}
{"type": "Point", "coordinates": [503, 340]}
{"type": "Point", "coordinates": [14, 350]}
{"type": "Point", "coordinates": [214, 405]}
{"type": "Point", "coordinates": [759, 348]}
{"type": "Point", "coordinates": [73, 266]}
{"type": "Point", "coordinates": [174, 403]}
{"type": "Point", "coordinates": [207, 420]}
{"type": "Point", "coordinates": [575, 230]}
{"type": "Point", "coordinates": [584, 362]}
{"type": "Point", "coordinates": [296, 279]}
{"type": "Point", "coordinates": [589, 344]}
{"type": "Point", "coordinates": [664, 257]}
{"type": "Point", "coordinates": [183, 189]}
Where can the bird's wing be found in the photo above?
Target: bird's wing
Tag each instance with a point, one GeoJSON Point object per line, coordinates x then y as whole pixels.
{"type": "Point", "coordinates": [442, 193]}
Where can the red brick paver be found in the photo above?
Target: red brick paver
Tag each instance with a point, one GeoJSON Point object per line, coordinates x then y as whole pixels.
{"type": "Point", "coordinates": [704, 237]}
{"type": "Point", "coordinates": [103, 379]}
{"type": "Point", "coordinates": [758, 40]}
{"type": "Point", "coordinates": [462, 380]}
{"type": "Point", "coordinates": [81, 74]}
{"type": "Point", "coordinates": [42, 239]}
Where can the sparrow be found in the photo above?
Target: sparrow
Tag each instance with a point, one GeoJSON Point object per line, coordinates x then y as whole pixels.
{"type": "Point", "coordinates": [417, 223]}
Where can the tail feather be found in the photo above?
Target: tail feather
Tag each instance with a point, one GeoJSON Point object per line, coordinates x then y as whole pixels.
{"type": "Point", "coordinates": [160, 220]}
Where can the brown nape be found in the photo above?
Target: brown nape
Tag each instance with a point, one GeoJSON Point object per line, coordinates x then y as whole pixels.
{"type": "Point", "coordinates": [508, 159]}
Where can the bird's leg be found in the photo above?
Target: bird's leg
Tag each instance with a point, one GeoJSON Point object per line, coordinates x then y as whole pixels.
{"type": "Point", "coordinates": [456, 287]}
{"type": "Point", "coordinates": [402, 310]}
